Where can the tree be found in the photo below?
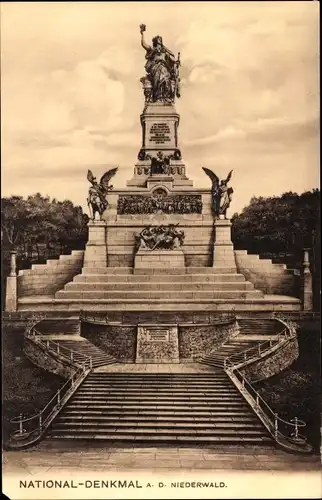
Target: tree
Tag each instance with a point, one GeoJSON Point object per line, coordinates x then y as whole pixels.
{"type": "Point", "coordinates": [35, 222]}
{"type": "Point", "coordinates": [279, 224]}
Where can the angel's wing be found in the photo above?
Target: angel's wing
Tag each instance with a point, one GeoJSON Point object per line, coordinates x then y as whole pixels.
{"type": "Point", "coordinates": [212, 175]}
{"type": "Point", "coordinates": [107, 177]}
{"type": "Point", "coordinates": [90, 176]}
{"type": "Point", "coordinates": [229, 176]}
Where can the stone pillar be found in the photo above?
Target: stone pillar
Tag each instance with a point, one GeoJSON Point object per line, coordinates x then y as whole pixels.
{"type": "Point", "coordinates": [96, 249]}
{"type": "Point", "coordinates": [224, 255]}
{"type": "Point", "coordinates": [307, 292]}
{"type": "Point", "coordinates": [11, 285]}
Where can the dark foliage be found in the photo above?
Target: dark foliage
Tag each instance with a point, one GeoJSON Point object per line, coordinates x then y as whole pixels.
{"type": "Point", "coordinates": [295, 392]}
{"type": "Point", "coordinates": [39, 228]}
{"type": "Point", "coordinates": [26, 388]}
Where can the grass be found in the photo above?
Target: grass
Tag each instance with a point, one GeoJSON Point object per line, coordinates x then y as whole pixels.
{"type": "Point", "coordinates": [26, 388]}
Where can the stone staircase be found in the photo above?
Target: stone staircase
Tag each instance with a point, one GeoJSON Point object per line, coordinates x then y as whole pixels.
{"type": "Point", "coordinates": [194, 283]}
{"type": "Point", "coordinates": [257, 326]}
{"type": "Point", "coordinates": [81, 346]}
{"type": "Point", "coordinates": [254, 329]}
{"type": "Point", "coordinates": [58, 327]}
{"type": "Point", "coordinates": [203, 408]}
{"type": "Point", "coordinates": [231, 347]}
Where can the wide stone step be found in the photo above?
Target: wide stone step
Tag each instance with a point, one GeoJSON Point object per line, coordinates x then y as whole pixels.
{"type": "Point", "coordinates": [152, 431]}
{"type": "Point", "coordinates": [159, 278]}
{"type": "Point", "coordinates": [160, 294]}
{"type": "Point", "coordinates": [157, 419]}
{"type": "Point", "coordinates": [153, 398]}
{"type": "Point", "coordinates": [144, 405]}
{"type": "Point", "coordinates": [129, 413]}
{"type": "Point", "coordinates": [160, 426]}
{"type": "Point", "coordinates": [106, 270]}
{"type": "Point", "coordinates": [187, 270]}
{"type": "Point", "coordinates": [154, 286]}
{"type": "Point", "coordinates": [150, 391]}
{"type": "Point", "coordinates": [148, 438]}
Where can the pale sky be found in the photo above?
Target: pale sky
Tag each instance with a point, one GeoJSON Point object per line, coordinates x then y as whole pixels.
{"type": "Point", "coordinates": [71, 95]}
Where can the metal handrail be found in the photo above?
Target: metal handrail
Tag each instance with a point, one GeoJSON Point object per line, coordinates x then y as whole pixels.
{"type": "Point", "coordinates": [281, 429]}
{"type": "Point", "coordinates": [258, 350]}
{"type": "Point", "coordinates": [31, 428]}
{"type": "Point", "coordinates": [274, 420]}
{"type": "Point", "coordinates": [60, 349]}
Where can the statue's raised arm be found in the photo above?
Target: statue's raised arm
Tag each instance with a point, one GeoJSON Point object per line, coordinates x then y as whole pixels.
{"type": "Point", "coordinates": [143, 43]}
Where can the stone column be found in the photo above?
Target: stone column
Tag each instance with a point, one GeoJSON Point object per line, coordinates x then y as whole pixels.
{"type": "Point", "coordinates": [11, 285]}
{"type": "Point", "coordinates": [96, 250]}
{"type": "Point", "coordinates": [224, 255]}
{"type": "Point", "coordinates": [307, 292]}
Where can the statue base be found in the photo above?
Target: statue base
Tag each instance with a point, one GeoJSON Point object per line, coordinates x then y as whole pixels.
{"type": "Point", "coordinates": [146, 258]}
{"type": "Point", "coordinates": [96, 251]}
{"type": "Point", "coordinates": [224, 255]}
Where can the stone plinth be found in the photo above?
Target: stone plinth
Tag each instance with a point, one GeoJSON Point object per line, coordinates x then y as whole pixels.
{"type": "Point", "coordinates": [157, 344]}
{"type": "Point", "coordinates": [224, 255]}
{"type": "Point", "coordinates": [11, 294]}
{"type": "Point", "coordinates": [307, 290]}
{"type": "Point", "coordinates": [166, 259]}
{"type": "Point", "coordinates": [96, 252]}
{"type": "Point", "coordinates": [160, 123]}
{"type": "Point", "coordinates": [11, 284]}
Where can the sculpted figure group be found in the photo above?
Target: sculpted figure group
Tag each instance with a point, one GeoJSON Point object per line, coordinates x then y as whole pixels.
{"type": "Point", "coordinates": [161, 237]}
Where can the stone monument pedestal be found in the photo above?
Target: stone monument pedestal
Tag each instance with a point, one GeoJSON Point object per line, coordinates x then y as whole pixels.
{"type": "Point", "coordinates": [95, 251]}
{"type": "Point", "coordinates": [224, 255]}
{"type": "Point", "coordinates": [146, 258]}
{"type": "Point", "coordinates": [157, 344]}
{"type": "Point", "coordinates": [11, 285]}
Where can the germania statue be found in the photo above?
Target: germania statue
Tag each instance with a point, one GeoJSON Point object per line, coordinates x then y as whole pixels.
{"type": "Point", "coordinates": [221, 193]}
{"type": "Point", "coordinates": [162, 81]}
{"type": "Point", "coordinates": [96, 200]}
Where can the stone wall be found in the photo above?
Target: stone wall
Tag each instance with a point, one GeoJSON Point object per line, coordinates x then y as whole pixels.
{"type": "Point", "coordinates": [197, 341]}
{"type": "Point", "coordinates": [47, 360]}
{"type": "Point", "coordinates": [118, 341]}
{"type": "Point", "coordinates": [273, 363]}
{"type": "Point", "coordinates": [270, 278]}
{"type": "Point", "coordinates": [46, 279]}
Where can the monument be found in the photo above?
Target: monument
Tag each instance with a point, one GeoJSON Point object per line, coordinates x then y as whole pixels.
{"type": "Point", "coordinates": [159, 250]}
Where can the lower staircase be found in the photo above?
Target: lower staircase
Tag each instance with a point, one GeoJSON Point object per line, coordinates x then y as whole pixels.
{"type": "Point", "coordinates": [258, 326]}
{"type": "Point", "coordinates": [251, 332]}
{"type": "Point", "coordinates": [203, 408]}
{"type": "Point", "coordinates": [80, 346]}
{"type": "Point", "coordinates": [234, 346]}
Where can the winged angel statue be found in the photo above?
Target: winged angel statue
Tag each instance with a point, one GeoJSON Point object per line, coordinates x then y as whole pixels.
{"type": "Point", "coordinates": [96, 200]}
{"type": "Point", "coordinates": [221, 193]}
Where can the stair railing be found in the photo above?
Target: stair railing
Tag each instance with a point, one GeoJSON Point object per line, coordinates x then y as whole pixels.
{"type": "Point", "coordinates": [285, 432]}
{"type": "Point", "coordinates": [258, 350]}
{"type": "Point", "coordinates": [29, 430]}
{"type": "Point", "coordinates": [60, 350]}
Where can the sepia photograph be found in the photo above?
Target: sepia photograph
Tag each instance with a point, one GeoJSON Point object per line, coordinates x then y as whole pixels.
{"type": "Point", "coordinates": [160, 234]}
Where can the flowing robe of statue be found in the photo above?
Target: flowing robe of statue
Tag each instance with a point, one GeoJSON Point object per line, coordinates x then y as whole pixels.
{"type": "Point", "coordinates": [225, 194]}
{"type": "Point", "coordinates": [158, 67]}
